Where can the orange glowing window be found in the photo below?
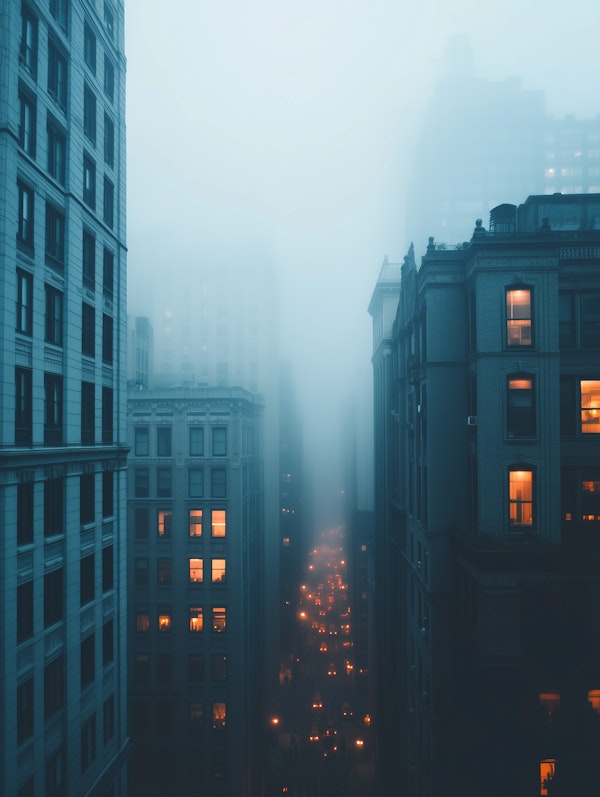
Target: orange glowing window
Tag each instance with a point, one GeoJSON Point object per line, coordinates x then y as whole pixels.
{"type": "Point", "coordinates": [218, 567]}
{"type": "Point", "coordinates": [164, 621]}
{"type": "Point", "coordinates": [521, 498]}
{"type": "Point", "coordinates": [195, 522]}
{"type": "Point", "coordinates": [164, 522]}
{"type": "Point", "coordinates": [219, 619]}
{"type": "Point", "coordinates": [518, 317]}
{"type": "Point", "coordinates": [219, 523]}
{"type": "Point", "coordinates": [196, 619]}
{"type": "Point", "coordinates": [590, 406]}
{"type": "Point", "coordinates": [142, 620]}
{"type": "Point", "coordinates": [549, 701]}
{"type": "Point", "coordinates": [594, 699]}
{"type": "Point", "coordinates": [219, 716]}
{"type": "Point", "coordinates": [196, 570]}
{"type": "Point", "coordinates": [547, 769]}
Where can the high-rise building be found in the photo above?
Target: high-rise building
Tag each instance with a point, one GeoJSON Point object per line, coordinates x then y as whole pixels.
{"type": "Point", "coordinates": [196, 590]}
{"type": "Point", "coordinates": [487, 434]}
{"type": "Point", "coordinates": [63, 430]}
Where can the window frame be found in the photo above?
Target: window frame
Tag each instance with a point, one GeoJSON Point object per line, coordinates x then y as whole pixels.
{"type": "Point", "coordinates": [24, 323]}
{"type": "Point", "coordinates": [519, 507]}
{"type": "Point", "coordinates": [54, 316]}
{"type": "Point", "coordinates": [521, 417]}
{"type": "Point", "coordinates": [515, 330]}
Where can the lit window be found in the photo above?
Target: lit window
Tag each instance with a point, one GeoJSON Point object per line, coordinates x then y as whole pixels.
{"type": "Point", "coordinates": [520, 407]}
{"type": "Point", "coordinates": [219, 619]}
{"type": "Point", "coordinates": [218, 571]}
{"type": "Point", "coordinates": [219, 522]}
{"type": "Point", "coordinates": [594, 699]}
{"type": "Point", "coordinates": [549, 702]}
{"type": "Point", "coordinates": [518, 317]}
{"type": "Point", "coordinates": [196, 619]}
{"type": "Point", "coordinates": [590, 496]}
{"type": "Point", "coordinates": [197, 570]}
{"type": "Point", "coordinates": [521, 498]}
{"type": "Point", "coordinates": [195, 522]}
{"type": "Point", "coordinates": [142, 619]}
{"type": "Point", "coordinates": [164, 522]}
{"type": "Point", "coordinates": [590, 406]}
{"type": "Point", "coordinates": [547, 769]}
{"type": "Point", "coordinates": [164, 619]}
{"type": "Point", "coordinates": [219, 716]}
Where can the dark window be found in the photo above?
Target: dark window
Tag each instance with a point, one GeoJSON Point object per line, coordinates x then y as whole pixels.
{"type": "Point", "coordinates": [25, 513]}
{"type": "Point", "coordinates": [218, 482]}
{"type": "Point", "coordinates": [87, 580]}
{"type": "Point", "coordinates": [54, 316]}
{"type": "Point", "coordinates": [88, 661]}
{"type": "Point", "coordinates": [109, 202]}
{"type": "Point", "coordinates": [89, 47]}
{"type": "Point", "coordinates": [107, 415]}
{"type": "Point", "coordinates": [142, 522]}
{"type": "Point", "coordinates": [24, 302]}
{"type": "Point", "coordinates": [53, 409]}
{"type": "Point", "coordinates": [518, 317]}
{"type": "Point", "coordinates": [55, 774]}
{"type": "Point", "coordinates": [109, 20]}
{"type": "Point", "coordinates": [163, 441]}
{"type": "Point", "coordinates": [24, 611]}
{"type": "Point", "coordinates": [25, 222]}
{"type": "Point", "coordinates": [196, 482]}
{"type": "Point", "coordinates": [23, 407]}
{"type": "Point", "coordinates": [57, 75]}
{"type": "Point", "coordinates": [54, 686]}
{"type": "Point", "coordinates": [218, 667]}
{"type": "Point", "coordinates": [87, 498]}
{"type": "Point", "coordinates": [589, 311]}
{"type": "Point", "coordinates": [89, 182]}
{"type": "Point", "coordinates": [566, 321]}
{"type": "Point", "coordinates": [107, 339]}
{"type": "Point", "coordinates": [26, 790]}
{"type": "Point", "coordinates": [53, 597]}
{"type": "Point", "coordinates": [89, 113]}
{"type": "Point", "coordinates": [60, 11]}
{"type": "Point", "coordinates": [109, 718]}
{"type": "Point", "coordinates": [195, 667]}
{"type": "Point", "coordinates": [109, 78]}
{"type": "Point", "coordinates": [57, 151]}
{"type": "Point", "coordinates": [163, 482]}
{"type": "Point", "coordinates": [142, 437]}
{"type": "Point", "coordinates": [141, 571]}
{"type": "Point", "coordinates": [142, 619]}
{"type": "Point", "coordinates": [219, 441]}
{"type": "Point", "coordinates": [108, 493]}
{"type": "Point", "coordinates": [27, 121]}
{"type": "Point", "coordinates": [520, 406]}
{"type": "Point", "coordinates": [196, 441]}
{"type": "Point", "coordinates": [108, 642]}
{"type": "Point", "coordinates": [107, 569]}
{"type": "Point", "coordinates": [29, 40]}
{"type": "Point", "coordinates": [88, 330]}
{"type": "Point", "coordinates": [196, 717]}
{"type": "Point", "coordinates": [142, 482]}
{"type": "Point", "coordinates": [164, 571]}
{"type": "Point", "coordinates": [25, 711]}
{"type": "Point", "coordinates": [53, 507]}
{"type": "Point", "coordinates": [88, 742]}
{"type": "Point", "coordinates": [164, 667]}
{"type": "Point", "coordinates": [55, 235]}
{"type": "Point", "coordinates": [108, 272]}
{"type": "Point", "coordinates": [109, 141]}
{"type": "Point", "coordinates": [88, 413]}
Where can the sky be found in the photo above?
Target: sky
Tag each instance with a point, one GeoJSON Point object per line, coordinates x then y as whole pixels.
{"type": "Point", "coordinates": [281, 131]}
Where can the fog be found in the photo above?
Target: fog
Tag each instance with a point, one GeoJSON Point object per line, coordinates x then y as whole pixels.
{"type": "Point", "coordinates": [280, 134]}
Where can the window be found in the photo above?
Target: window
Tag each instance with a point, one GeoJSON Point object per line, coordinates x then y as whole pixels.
{"type": "Point", "coordinates": [88, 330]}
{"type": "Point", "coordinates": [55, 235]}
{"type": "Point", "coordinates": [59, 10]}
{"type": "Point", "coordinates": [108, 493]}
{"type": "Point", "coordinates": [218, 488]}
{"type": "Point", "coordinates": [142, 482]}
{"type": "Point", "coordinates": [196, 571]}
{"type": "Point", "coordinates": [107, 339]}
{"type": "Point", "coordinates": [89, 182]}
{"type": "Point", "coordinates": [26, 789]}
{"type": "Point", "coordinates": [88, 742]}
{"type": "Point", "coordinates": [195, 522]}
{"type": "Point", "coordinates": [165, 517]}
{"type": "Point", "coordinates": [57, 74]}
{"type": "Point", "coordinates": [27, 121]}
{"type": "Point", "coordinates": [218, 764]}
{"type": "Point", "coordinates": [142, 522]}
{"type": "Point", "coordinates": [25, 222]}
{"type": "Point", "coordinates": [218, 571]}
{"type": "Point", "coordinates": [590, 406]}
{"type": "Point", "coordinates": [25, 711]}
{"type": "Point", "coordinates": [196, 717]}
{"type": "Point", "coordinates": [88, 415]}
{"type": "Point", "coordinates": [89, 113]}
{"type": "Point", "coordinates": [196, 482]}
{"type": "Point", "coordinates": [518, 317]}
{"type": "Point", "coordinates": [54, 316]}
{"type": "Point", "coordinates": [53, 597]}
{"type": "Point", "coordinates": [196, 619]}
{"type": "Point", "coordinates": [219, 441]}
{"type": "Point", "coordinates": [24, 302]}
{"type": "Point", "coordinates": [107, 568]}
{"type": "Point", "coordinates": [109, 78]}
{"type": "Point", "coordinates": [88, 661]}
{"type": "Point", "coordinates": [108, 717]}
{"type": "Point", "coordinates": [219, 619]}
{"type": "Point", "coordinates": [109, 20]}
{"type": "Point", "coordinates": [24, 611]}
{"type": "Point", "coordinates": [109, 141]}
{"type": "Point", "coordinates": [108, 642]}
{"type": "Point", "coordinates": [164, 572]}
{"type": "Point", "coordinates": [590, 495]}
{"type": "Point", "coordinates": [109, 202]}
{"type": "Point", "coordinates": [196, 441]}
{"type": "Point", "coordinates": [195, 667]}
{"type": "Point", "coordinates": [219, 522]}
{"type": "Point", "coordinates": [25, 513]}
{"type": "Point", "coordinates": [87, 498]}
{"type": "Point", "coordinates": [164, 619]}
{"type": "Point", "coordinates": [163, 482]}
{"type": "Point", "coordinates": [29, 40]}
{"type": "Point", "coordinates": [108, 270]}
{"type": "Point", "coordinates": [520, 499]}
{"type": "Point", "coordinates": [218, 667]}
{"type": "Point", "coordinates": [23, 407]}
{"type": "Point", "coordinates": [164, 667]}
{"type": "Point", "coordinates": [520, 406]}
{"type": "Point", "coordinates": [55, 774]}
{"type": "Point", "coordinates": [53, 401]}
{"type": "Point", "coordinates": [141, 443]}
{"type": "Point", "coordinates": [54, 687]}
{"type": "Point", "coordinates": [57, 151]}
{"type": "Point", "coordinates": [107, 415]}
{"type": "Point", "coordinates": [163, 441]}
{"type": "Point", "coordinates": [87, 578]}
{"type": "Point", "coordinates": [141, 569]}
{"type": "Point", "coordinates": [89, 47]}
{"type": "Point", "coordinates": [142, 620]}
{"type": "Point", "coordinates": [53, 507]}
{"type": "Point", "coordinates": [219, 716]}
{"type": "Point", "coordinates": [589, 320]}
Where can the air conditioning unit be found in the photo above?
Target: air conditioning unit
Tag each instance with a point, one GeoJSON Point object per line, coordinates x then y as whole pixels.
{"type": "Point", "coordinates": [471, 420]}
